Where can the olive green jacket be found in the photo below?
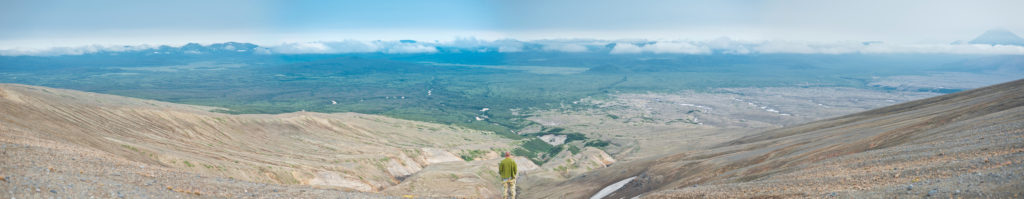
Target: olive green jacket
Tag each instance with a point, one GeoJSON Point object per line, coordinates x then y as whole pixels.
{"type": "Point", "coordinates": [507, 168]}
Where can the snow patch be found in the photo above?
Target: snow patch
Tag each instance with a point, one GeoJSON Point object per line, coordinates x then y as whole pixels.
{"type": "Point", "coordinates": [612, 188]}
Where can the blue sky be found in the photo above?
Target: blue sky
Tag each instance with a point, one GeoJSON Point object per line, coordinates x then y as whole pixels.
{"type": "Point", "coordinates": [70, 22]}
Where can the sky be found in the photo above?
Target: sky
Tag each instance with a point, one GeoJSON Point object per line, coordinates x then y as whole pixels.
{"type": "Point", "coordinates": [49, 23]}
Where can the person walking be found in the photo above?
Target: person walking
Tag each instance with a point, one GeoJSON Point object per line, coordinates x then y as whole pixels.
{"type": "Point", "coordinates": [508, 172]}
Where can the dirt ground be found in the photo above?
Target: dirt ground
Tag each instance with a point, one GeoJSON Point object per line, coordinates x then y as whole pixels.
{"type": "Point", "coordinates": [964, 145]}
{"type": "Point", "coordinates": [68, 144]}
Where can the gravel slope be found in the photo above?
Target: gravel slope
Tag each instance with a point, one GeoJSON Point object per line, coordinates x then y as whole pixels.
{"type": "Point", "coordinates": [967, 144]}
{"type": "Point", "coordinates": [98, 145]}
{"type": "Point", "coordinates": [44, 169]}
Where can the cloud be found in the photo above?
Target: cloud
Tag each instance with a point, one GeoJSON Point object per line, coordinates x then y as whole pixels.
{"type": "Point", "coordinates": [353, 46]}
{"type": "Point", "coordinates": [795, 47]}
{"type": "Point", "coordinates": [725, 45]}
{"type": "Point", "coordinates": [791, 47]}
{"type": "Point", "coordinates": [469, 43]}
{"type": "Point", "coordinates": [728, 46]}
{"type": "Point", "coordinates": [80, 50]}
{"type": "Point", "coordinates": [569, 48]}
{"type": "Point", "coordinates": [716, 46]}
{"type": "Point", "coordinates": [676, 48]}
{"type": "Point", "coordinates": [410, 48]}
{"type": "Point", "coordinates": [626, 48]}
{"type": "Point", "coordinates": [262, 51]}
{"type": "Point", "coordinates": [472, 44]}
{"type": "Point", "coordinates": [509, 49]}
{"type": "Point", "coordinates": [347, 46]}
{"type": "Point", "coordinates": [943, 49]}
{"type": "Point", "coordinates": [661, 48]}
{"type": "Point", "coordinates": [509, 45]}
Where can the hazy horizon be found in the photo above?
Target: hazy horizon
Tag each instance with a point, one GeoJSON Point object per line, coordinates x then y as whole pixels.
{"type": "Point", "coordinates": [47, 24]}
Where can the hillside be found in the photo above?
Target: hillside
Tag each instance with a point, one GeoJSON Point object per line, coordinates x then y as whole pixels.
{"type": "Point", "coordinates": [57, 142]}
{"type": "Point", "coordinates": [80, 144]}
{"type": "Point", "coordinates": [966, 144]}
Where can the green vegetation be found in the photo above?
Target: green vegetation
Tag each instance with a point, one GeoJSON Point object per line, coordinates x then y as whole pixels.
{"type": "Point", "coordinates": [563, 170]}
{"type": "Point", "coordinates": [574, 149]}
{"type": "Point", "coordinates": [130, 147]}
{"type": "Point", "coordinates": [597, 144]}
{"type": "Point", "coordinates": [398, 85]}
{"type": "Point", "coordinates": [534, 149]}
{"type": "Point", "coordinates": [469, 155]}
{"type": "Point", "coordinates": [536, 145]}
{"type": "Point", "coordinates": [188, 163]}
{"type": "Point", "coordinates": [403, 86]}
{"type": "Point", "coordinates": [529, 155]}
{"type": "Point", "coordinates": [553, 130]}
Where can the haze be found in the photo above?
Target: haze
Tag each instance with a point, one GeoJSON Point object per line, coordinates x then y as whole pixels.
{"type": "Point", "coordinates": [39, 24]}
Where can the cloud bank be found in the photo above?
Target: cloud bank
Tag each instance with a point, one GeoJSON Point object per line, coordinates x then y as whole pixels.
{"type": "Point", "coordinates": [569, 48]}
{"type": "Point", "coordinates": [620, 47]}
{"type": "Point", "coordinates": [661, 48]}
{"type": "Point", "coordinates": [79, 50]}
{"type": "Point", "coordinates": [351, 46]}
{"type": "Point", "coordinates": [792, 47]}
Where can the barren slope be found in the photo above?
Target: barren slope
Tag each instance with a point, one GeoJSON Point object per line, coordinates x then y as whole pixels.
{"type": "Point", "coordinates": [47, 128]}
{"type": "Point", "coordinates": [969, 143]}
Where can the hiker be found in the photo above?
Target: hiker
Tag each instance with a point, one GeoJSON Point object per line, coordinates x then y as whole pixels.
{"type": "Point", "coordinates": [508, 172]}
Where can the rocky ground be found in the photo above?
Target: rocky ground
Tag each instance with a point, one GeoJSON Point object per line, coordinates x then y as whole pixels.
{"type": "Point", "coordinates": [968, 144]}
{"type": "Point", "coordinates": [981, 163]}
{"type": "Point", "coordinates": [44, 169]}
{"type": "Point", "coordinates": [82, 144]}
{"type": "Point", "coordinates": [650, 124]}
{"type": "Point", "coordinates": [66, 144]}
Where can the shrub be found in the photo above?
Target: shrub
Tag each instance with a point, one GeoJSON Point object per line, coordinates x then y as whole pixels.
{"type": "Point", "coordinates": [555, 130]}
{"type": "Point", "coordinates": [597, 143]}
{"type": "Point", "coordinates": [469, 155]}
{"type": "Point", "coordinates": [574, 149]}
{"type": "Point", "coordinates": [524, 153]}
{"type": "Point", "coordinates": [536, 145]}
{"type": "Point", "coordinates": [555, 150]}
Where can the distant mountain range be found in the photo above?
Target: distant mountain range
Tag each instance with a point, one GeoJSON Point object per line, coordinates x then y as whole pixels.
{"type": "Point", "coordinates": [472, 45]}
{"type": "Point", "coordinates": [198, 49]}
{"type": "Point", "coordinates": [998, 37]}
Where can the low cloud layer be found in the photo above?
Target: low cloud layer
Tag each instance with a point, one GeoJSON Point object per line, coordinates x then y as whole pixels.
{"type": "Point", "coordinates": [79, 50]}
{"type": "Point", "coordinates": [726, 46]}
{"type": "Point", "coordinates": [351, 46]}
{"type": "Point", "coordinates": [569, 48]}
{"type": "Point", "coordinates": [473, 45]}
{"type": "Point", "coordinates": [874, 48]}
{"type": "Point", "coordinates": [661, 48]}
